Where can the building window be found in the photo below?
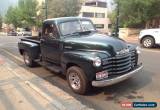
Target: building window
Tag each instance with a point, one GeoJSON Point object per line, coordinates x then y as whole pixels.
{"type": "Point", "coordinates": [99, 26]}
{"type": "Point", "coordinates": [88, 14]}
{"type": "Point", "coordinates": [97, 4]}
{"type": "Point", "coordinates": [109, 26]}
{"type": "Point", "coordinates": [90, 4]}
{"type": "Point", "coordinates": [102, 4]}
{"type": "Point", "coordinates": [100, 15]}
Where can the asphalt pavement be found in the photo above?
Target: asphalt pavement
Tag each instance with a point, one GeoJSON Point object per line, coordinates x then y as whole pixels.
{"type": "Point", "coordinates": [144, 86]}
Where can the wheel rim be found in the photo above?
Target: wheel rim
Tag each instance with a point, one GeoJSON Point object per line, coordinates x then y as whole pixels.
{"type": "Point", "coordinates": [147, 43]}
{"type": "Point", "coordinates": [26, 58]}
{"type": "Point", "coordinates": [74, 81]}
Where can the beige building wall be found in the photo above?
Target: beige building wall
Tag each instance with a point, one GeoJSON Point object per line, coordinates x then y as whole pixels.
{"type": "Point", "coordinates": [95, 20]}
{"type": "Point", "coordinates": [40, 2]}
{"type": "Point", "coordinates": [39, 5]}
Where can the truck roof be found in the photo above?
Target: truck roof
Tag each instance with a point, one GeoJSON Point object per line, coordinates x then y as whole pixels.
{"type": "Point", "coordinates": [65, 19]}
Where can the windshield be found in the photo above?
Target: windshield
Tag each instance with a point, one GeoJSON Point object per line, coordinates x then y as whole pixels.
{"type": "Point", "coordinates": [72, 27]}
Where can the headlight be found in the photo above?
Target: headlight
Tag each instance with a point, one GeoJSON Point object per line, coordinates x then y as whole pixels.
{"type": "Point", "coordinates": [97, 62]}
{"type": "Point", "coordinates": [138, 50]}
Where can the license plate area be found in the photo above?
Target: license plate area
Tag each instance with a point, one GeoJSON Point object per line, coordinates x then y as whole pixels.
{"type": "Point", "coordinates": [102, 75]}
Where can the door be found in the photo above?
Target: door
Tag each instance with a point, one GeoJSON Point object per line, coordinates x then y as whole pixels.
{"type": "Point", "coordinates": [50, 43]}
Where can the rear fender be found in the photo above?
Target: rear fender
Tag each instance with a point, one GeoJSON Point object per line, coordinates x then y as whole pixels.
{"type": "Point", "coordinates": [33, 49]}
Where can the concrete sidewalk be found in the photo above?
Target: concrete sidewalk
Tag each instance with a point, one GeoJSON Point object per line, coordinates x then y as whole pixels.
{"type": "Point", "coordinates": [18, 91]}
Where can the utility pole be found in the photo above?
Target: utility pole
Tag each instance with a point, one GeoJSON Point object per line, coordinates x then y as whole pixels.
{"type": "Point", "coordinates": [46, 9]}
{"type": "Point", "coordinates": [117, 22]}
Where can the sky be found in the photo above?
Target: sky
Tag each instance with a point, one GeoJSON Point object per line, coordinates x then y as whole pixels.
{"type": "Point", "coordinates": [4, 4]}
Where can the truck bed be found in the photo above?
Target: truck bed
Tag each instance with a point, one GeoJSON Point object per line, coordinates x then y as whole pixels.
{"type": "Point", "coordinates": [31, 39]}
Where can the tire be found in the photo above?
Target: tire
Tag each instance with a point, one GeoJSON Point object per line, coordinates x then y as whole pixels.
{"type": "Point", "coordinates": [27, 59]}
{"type": "Point", "coordinates": [148, 42]}
{"type": "Point", "coordinates": [76, 74]}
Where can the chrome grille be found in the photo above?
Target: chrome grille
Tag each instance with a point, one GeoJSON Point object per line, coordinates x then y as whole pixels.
{"type": "Point", "coordinates": [120, 63]}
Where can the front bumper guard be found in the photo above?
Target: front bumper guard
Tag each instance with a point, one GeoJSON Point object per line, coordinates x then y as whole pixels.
{"type": "Point", "coordinates": [117, 79]}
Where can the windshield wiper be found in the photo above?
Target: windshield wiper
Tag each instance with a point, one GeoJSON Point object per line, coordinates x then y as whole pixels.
{"type": "Point", "coordinates": [86, 31]}
{"type": "Point", "coordinates": [72, 34]}
{"type": "Point", "coordinates": [78, 33]}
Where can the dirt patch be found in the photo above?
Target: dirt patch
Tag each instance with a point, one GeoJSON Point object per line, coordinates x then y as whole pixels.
{"type": "Point", "coordinates": [1, 61]}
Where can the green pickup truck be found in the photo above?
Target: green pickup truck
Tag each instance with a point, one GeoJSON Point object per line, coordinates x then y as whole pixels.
{"type": "Point", "coordinates": [73, 47]}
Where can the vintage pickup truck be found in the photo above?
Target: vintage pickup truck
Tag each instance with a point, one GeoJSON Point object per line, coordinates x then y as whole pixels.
{"type": "Point", "coordinates": [73, 47]}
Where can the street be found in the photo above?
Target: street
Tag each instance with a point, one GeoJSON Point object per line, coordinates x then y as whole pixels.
{"type": "Point", "coordinates": [144, 86]}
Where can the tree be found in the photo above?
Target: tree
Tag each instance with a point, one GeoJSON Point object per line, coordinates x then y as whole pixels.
{"type": "Point", "coordinates": [27, 12]}
{"type": "Point", "coordinates": [22, 15]}
{"type": "Point", "coordinates": [63, 8]}
{"type": "Point", "coordinates": [1, 21]}
{"type": "Point", "coordinates": [135, 13]}
{"type": "Point", "coordinates": [12, 16]}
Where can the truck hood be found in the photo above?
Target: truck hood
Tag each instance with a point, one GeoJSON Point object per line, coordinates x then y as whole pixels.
{"type": "Point", "coordinates": [94, 42]}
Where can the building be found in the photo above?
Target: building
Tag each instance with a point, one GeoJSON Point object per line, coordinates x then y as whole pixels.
{"type": "Point", "coordinates": [97, 11]}
{"type": "Point", "coordinates": [39, 6]}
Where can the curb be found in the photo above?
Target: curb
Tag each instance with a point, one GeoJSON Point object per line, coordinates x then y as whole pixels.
{"type": "Point", "coordinates": [76, 105]}
{"type": "Point", "coordinates": [58, 105]}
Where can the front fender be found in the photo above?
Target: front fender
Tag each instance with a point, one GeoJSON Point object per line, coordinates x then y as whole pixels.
{"type": "Point", "coordinates": [82, 59]}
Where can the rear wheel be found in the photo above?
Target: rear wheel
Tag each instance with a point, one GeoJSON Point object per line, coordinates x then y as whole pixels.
{"type": "Point", "coordinates": [77, 80]}
{"type": "Point", "coordinates": [148, 42]}
{"type": "Point", "coordinates": [27, 59]}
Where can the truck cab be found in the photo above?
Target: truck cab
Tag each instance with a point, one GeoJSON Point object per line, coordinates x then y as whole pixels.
{"type": "Point", "coordinates": [73, 47]}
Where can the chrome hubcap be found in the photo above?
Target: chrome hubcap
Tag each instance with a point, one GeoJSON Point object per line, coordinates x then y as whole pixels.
{"type": "Point", "coordinates": [147, 43]}
{"type": "Point", "coordinates": [74, 81]}
{"type": "Point", "coordinates": [26, 58]}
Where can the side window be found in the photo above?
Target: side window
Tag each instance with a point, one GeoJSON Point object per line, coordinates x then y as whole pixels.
{"type": "Point", "coordinates": [50, 31]}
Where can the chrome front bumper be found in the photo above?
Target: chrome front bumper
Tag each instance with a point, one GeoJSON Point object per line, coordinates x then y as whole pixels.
{"type": "Point", "coordinates": [117, 79]}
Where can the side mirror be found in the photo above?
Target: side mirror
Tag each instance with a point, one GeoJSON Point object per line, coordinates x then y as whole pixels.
{"type": "Point", "coordinates": [40, 34]}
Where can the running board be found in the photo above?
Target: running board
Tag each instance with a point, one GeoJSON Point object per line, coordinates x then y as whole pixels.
{"type": "Point", "coordinates": [51, 67]}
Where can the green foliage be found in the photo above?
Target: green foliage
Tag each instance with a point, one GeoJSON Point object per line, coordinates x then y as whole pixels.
{"type": "Point", "coordinates": [22, 15]}
{"type": "Point", "coordinates": [112, 17]}
{"type": "Point", "coordinates": [63, 8]}
{"type": "Point", "coordinates": [135, 13]}
{"type": "Point", "coordinates": [12, 16]}
{"type": "Point", "coordinates": [1, 21]}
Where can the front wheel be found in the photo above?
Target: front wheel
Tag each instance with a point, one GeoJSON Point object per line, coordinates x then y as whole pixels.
{"type": "Point", "coordinates": [77, 80]}
{"type": "Point", "coordinates": [148, 42]}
